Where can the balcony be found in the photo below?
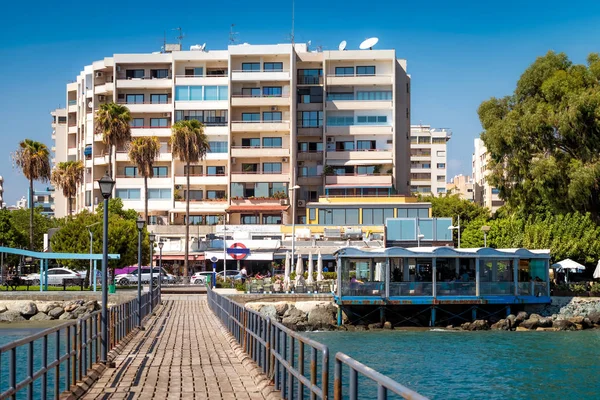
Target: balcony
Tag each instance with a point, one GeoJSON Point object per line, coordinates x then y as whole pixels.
{"type": "Point", "coordinates": [106, 88]}
{"type": "Point", "coordinates": [72, 128]}
{"type": "Point", "coordinates": [197, 179]}
{"type": "Point", "coordinates": [359, 80]}
{"type": "Point", "coordinates": [420, 156]}
{"type": "Point", "coordinates": [211, 206]}
{"type": "Point", "coordinates": [101, 159]}
{"type": "Point", "coordinates": [149, 107]}
{"type": "Point", "coordinates": [335, 105]}
{"type": "Point", "coordinates": [72, 151]}
{"type": "Point", "coordinates": [259, 101]}
{"type": "Point", "coordinates": [245, 76]}
{"type": "Point", "coordinates": [240, 176]}
{"type": "Point", "coordinates": [140, 131]}
{"type": "Point", "coordinates": [310, 80]}
{"type": "Point", "coordinates": [257, 152]}
{"type": "Point", "coordinates": [360, 130]}
{"type": "Point", "coordinates": [72, 106]}
{"type": "Point", "coordinates": [310, 131]}
{"type": "Point", "coordinates": [208, 80]}
{"type": "Point", "coordinates": [359, 180]}
{"type": "Point", "coordinates": [145, 83]}
{"type": "Point", "coordinates": [121, 155]}
{"type": "Point", "coordinates": [310, 180]}
{"type": "Point", "coordinates": [260, 126]}
{"type": "Point", "coordinates": [360, 155]}
{"type": "Point", "coordinates": [216, 156]}
{"type": "Point", "coordinates": [310, 156]}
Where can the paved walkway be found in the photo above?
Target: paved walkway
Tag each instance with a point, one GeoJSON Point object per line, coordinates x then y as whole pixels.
{"type": "Point", "coordinates": [183, 355]}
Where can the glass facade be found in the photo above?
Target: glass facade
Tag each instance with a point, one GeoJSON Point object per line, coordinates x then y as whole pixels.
{"type": "Point", "coordinates": [159, 194]}
{"type": "Point", "coordinates": [201, 93]}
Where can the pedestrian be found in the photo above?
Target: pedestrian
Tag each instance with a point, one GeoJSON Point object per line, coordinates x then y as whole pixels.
{"type": "Point", "coordinates": [244, 274]}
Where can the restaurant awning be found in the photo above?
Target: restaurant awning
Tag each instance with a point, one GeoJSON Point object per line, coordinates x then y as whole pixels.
{"type": "Point", "coordinates": [253, 256]}
{"type": "Point", "coordinates": [179, 257]}
{"type": "Point", "coordinates": [255, 208]}
{"type": "Point", "coordinates": [358, 185]}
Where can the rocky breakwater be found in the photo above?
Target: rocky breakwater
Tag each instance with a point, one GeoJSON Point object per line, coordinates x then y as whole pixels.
{"type": "Point", "coordinates": [535, 322]}
{"type": "Point", "coordinates": [23, 310]}
{"type": "Point", "coordinates": [299, 316]}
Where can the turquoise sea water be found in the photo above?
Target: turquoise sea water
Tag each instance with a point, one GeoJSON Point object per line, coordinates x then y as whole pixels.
{"type": "Point", "coordinates": [479, 365]}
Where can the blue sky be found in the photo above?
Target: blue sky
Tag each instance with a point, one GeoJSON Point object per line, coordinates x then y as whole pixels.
{"type": "Point", "coordinates": [457, 56]}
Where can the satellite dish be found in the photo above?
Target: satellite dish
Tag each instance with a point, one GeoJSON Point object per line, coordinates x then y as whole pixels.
{"type": "Point", "coordinates": [369, 43]}
{"type": "Point", "coordinates": [203, 47]}
{"type": "Point", "coordinates": [90, 105]}
{"type": "Point", "coordinates": [342, 45]}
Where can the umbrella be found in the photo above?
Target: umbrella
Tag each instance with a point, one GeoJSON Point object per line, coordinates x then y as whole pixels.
{"type": "Point", "coordinates": [310, 279]}
{"type": "Point", "coordinates": [299, 270]}
{"type": "Point", "coordinates": [567, 265]}
{"type": "Point", "coordinates": [286, 276]}
{"type": "Point", "coordinates": [378, 271]}
{"type": "Point", "coordinates": [319, 268]}
{"type": "Point", "coordinates": [597, 271]}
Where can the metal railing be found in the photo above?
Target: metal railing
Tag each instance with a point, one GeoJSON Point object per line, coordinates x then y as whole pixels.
{"type": "Point", "coordinates": [44, 365]}
{"type": "Point", "coordinates": [298, 366]}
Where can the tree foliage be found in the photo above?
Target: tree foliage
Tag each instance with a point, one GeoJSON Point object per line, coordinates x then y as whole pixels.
{"type": "Point", "coordinates": [67, 175]}
{"type": "Point", "coordinates": [142, 152]}
{"type": "Point", "coordinates": [20, 221]}
{"type": "Point", "coordinates": [544, 139]}
{"type": "Point", "coordinates": [112, 122]}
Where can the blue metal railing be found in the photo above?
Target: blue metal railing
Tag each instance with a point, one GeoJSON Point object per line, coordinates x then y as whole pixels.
{"type": "Point", "coordinates": [284, 355]}
{"type": "Point", "coordinates": [66, 353]}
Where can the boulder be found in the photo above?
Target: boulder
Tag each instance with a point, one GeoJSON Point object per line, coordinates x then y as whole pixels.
{"type": "Point", "coordinates": [72, 305]}
{"type": "Point", "coordinates": [521, 329]}
{"type": "Point", "coordinates": [46, 306]}
{"type": "Point", "coordinates": [479, 325]}
{"type": "Point", "coordinates": [307, 306]}
{"type": "Point", "coordinates": [465, 326]}
{"type": "Point", "coordinates": [376, 325]}
{"type": "Point", "coordinates": [56, 312]}
{"type": "Point", "coordinates": [576, 320]}
{"type": "Point", "coordinates": [67, 315]}
{"type": "Point", "coordinates": [545, 322]}
{"type": "Point", "coordinates": [281, 307]}
{"type": "Point", "coordinates": [79, 311]}
{"type": "Point", "coordinates": [587, 324]}
{"type": "Point", "coordinates": [545, 329]}
{"type": "Point", "coordinates": [3, 308]}
{"type": "Point", "coordinates": [322, 316]}
{"type": "Point", "coordinates": [563, 325]}
{"type": "Point", "coordinates": [92, 305]}
{"type": "Point", "coordinates": [535, 316]}
{"type": "Point", "coordinates": [502, 325]}
{"type": "Point", "coordinates": [294, 319]}
{"type": "Point", "coordinates": [388, 325]}
{"type": "Point", "coordinates": [530, 323]}
{"type": "Point", "coordinates": [11, 316]}
{"type": "Point", "coordinates": [361, 328]}
{"type": "Point", "coordinates": [24, 307]}
{"type": "Point", "coordinates": [594, 317]}
{"type": "Point", "coordinates": [40, 316]}
{"type": "Point", "coordinates": [511, 318]}
{"type": "Point", "coordinates": [521, 316]}
{"type": "Point", "coordinates": [268, 310]}
{"type": "Point", "coordinates": [254, 306]}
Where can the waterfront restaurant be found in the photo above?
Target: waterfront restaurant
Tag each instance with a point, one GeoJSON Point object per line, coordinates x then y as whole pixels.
{"type": "Point", "coordinates": [442, 275]}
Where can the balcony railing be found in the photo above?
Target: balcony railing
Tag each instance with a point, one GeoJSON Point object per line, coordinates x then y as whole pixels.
{"type": "Point", "coordinates": [144, 102]}
{"type": "Point", "coordinates": [261, 122]}
{"type": "Point", "coordinates": [181, 174]}
{"type": "Point", "coordinates": [259, 173]}
{"type": "Point", "coordinates": [310, 80]}
{"type": "Point", "coordinates": [72, 102]}
{"type": "Point", "coordinates": [249, 96]}
{"type": "Point", "coordinates": [125, 78]}
{"type": "Point", "coordinates": [257, 147]}
{"type": "Point", "coordinates": [260, 70]}
{"type": "Point", "coordinates": [203, 76]}
{"type": "Point", "coordinates": [151, 127]}
{"type": "Point", "coordinates": [355, 74]}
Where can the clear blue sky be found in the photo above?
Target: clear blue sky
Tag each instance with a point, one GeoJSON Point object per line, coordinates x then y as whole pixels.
{"type": "Point", "coordinates": [457, 56]}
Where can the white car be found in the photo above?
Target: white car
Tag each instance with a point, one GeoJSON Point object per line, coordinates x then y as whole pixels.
{"type": "Point", "coordinates": [56, 276]}
{"type": "Point", "coordinates": [126, 279]}
{"type": "Point", "coordinates": [200, 278]}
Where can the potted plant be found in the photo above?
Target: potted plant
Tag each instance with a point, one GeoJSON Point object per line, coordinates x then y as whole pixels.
{"type": "Point", "coordinates": [327, 170]}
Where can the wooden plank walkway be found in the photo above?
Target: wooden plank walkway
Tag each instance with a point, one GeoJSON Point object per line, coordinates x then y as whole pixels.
{"type": "Point", "coordinates": [184, 354]}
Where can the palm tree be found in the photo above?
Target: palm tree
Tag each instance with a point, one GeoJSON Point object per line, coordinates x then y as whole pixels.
{"type": "Point", "coordinates": [33, 158]}
{"type": "Point", "coordinates": [112, 121]}
{"type": "Point", "coordinates": [143, 151]}
{"type": "Point", "coordinates": [189, 143]}
{"type": "Point", "coordinates": [67, 175]}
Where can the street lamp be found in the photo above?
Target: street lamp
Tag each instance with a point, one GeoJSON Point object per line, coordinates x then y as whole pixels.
{"type": "Point", "coordinates": [457, 227]}
{"type": "Point", "coordinates": [106, 184]}
{"type": "Point", "coordinates": [293, 189]}
{"type": "Point", "coordinates": [419, 234]}
{"type": "Point", "coordinates": [140, 223]}
{"type": "Point", "coordinates": [485, 230]}
{"type": "Point", "coordinates": [152, 238]}
{"type": "Point", "coordinates": [160, 270]}
{"type": "Point", "coordinates": [92, 270]}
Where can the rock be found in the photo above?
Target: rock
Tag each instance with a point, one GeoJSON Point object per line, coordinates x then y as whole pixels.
{"type": "Point", "coordinates": [361, 328]}
{"type": "Point", "coordinates": [307, 306]}
{"type": "Point", "coordinates": [479, 325]}
{"type": "Point", "coordinates": [268, 310]}
{"type": "Point", "coordinates": [46, 306]}
{"type": "Point", "coordinates": [545, 322]}
{"type": "Point", "coordinates": [502, 325]}
{"type": "Point", "coordinates": [521, 329]}
{"type": "Point", "coordinates": [322, 316]}
{"type": "Point", "coordinates": [576, 320]}
{"type": "Point", "coordinates": [294, 319]}
{"type": "Point", "coordinates": [11, 316]}
{"type": "Point", "coordinates": [376, 325]}
{"type": "Point", "coordinates": [3, 308]}
{"type": "Point", "coordinates": [450, 327]}
{"type": "Point", "coordinates": [349, 328]}
{"type": "Point", "coordinates": [545, 329]}
{"type": "Point", "coordinates": [594, 317]}
{"type": "Point", "coordinates": [465, 326]}
{"type": "Point", "coordinates": [511, 318]}
{"type": "Point", "coordinates": [521, 316]}
{"type": "Point", "coordinates": [92, 305]}
{"type": "Point", "coordinates": [535, 316]}
{"type": "Point", "coordinates": [24, 307]}
{"type": "Point", "coordinates": [587, 323]}
{"type": "Point", "coordinates": [79, 311]}
{"type": "Point", "coordinates": [40, 316]}
{"type": "Point", "coordinates": [530, 323]}
{"type": "Point", "coordinates": [56, 312]}
{"type": "Point", "coordinates": [281, 307]}
{"type": "Point", "coordinates": [72, 305]}
{"type": "Point", "coordinates": [67, 315]}
{"type": "Point", "coordinates": [254, 306]}
{"type": "Point", "coordinates": [388, 325]}
{"type": "Point", "coordinates": [563, 325]}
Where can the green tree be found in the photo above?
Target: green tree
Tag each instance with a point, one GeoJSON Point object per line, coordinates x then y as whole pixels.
{"type": "Point", "coordinates": [143, 151]}
{"type": "Point", "coordinates": [189, 143]}
{"type": "Point", "coordinates": [67, 175]}
{"type": "Point", "coordinates": [10, 236]}
{"type": "Point", "coordinates": [33, 159]}
{"type": "Point", "coordinates": [112, 122]}
{"type": "Point", "coordinates": [544, 139]}
{"type": "Point", "coordinates": [21, 221]}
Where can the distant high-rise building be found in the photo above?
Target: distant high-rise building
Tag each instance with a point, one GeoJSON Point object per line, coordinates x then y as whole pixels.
{"type": "Point", "coordinates": [463, 186]}
{"type": "Point", "coordinates": [60, 148]}
{"type": "Point", "coordinates": [22, 203]}
{"type": "Point", "coordinates": [485, 194]}
{"type": "Point", "coordinates": [428, 148]}
{"type": "Point", "coordinates": [43, 199]}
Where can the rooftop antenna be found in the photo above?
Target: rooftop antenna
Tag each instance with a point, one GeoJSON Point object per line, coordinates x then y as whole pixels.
{"type": "Point", "coordinates": [164, 46]}
{"type": "Point", "coordinates": [180, 36]}
{"type": "Point", "coordinates": [232, 35]}
{"type": "Point", "coordinates": [292, 35]}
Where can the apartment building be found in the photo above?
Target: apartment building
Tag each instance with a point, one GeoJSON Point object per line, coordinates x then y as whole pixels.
{"type": "Point", "coordinates": [463, 186]}
{"type": "Point", "coordinates": [59, 153]}
{"type": "Point", "coordinates": [428, 149]}
{"type": "Point", "coordinates": [43, 198]}
{"type": "Point", "coordinates": [485, 194]}
{"type": "Point", "coordinates": [331, 123]}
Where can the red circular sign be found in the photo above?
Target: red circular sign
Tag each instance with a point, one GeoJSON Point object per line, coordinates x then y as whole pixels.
{"type": "Point", "coordinates": [238, 251]}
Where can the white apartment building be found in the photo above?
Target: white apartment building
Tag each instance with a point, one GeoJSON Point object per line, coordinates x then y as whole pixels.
{"type": "Point", "coordinates": [485, 194]}
{"type": "Point", "coordinates": [428, 156]}
{"type": "Point", "coordinates": [276, 116]}
{"type": "Point", "coordinates": [463, 186]}
{"type": "Point", "coordinates": [59, 153]}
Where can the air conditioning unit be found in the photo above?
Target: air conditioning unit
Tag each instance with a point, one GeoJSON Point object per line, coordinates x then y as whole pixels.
{"type": "Point", "coordinates": [274, 108]}
{"type": "Point", "coordinates": [233, 160]}
{"type": "Point", "coordinates": [284, 159]}
{"type": "Point", "coordinates": [99, 74]}
{"type": "Point", "coordinates": [101, 97]}
{"type": "Point", "coordinates": [178, 187]}
{"type": "Point", "coordinates": [166, 115]}
{"type": "Point", "coordinates": [330, 139]}
{"type": "Point", "coordinates": [301, 203]}
{"type": "Point", "coordinates": [300, 163]}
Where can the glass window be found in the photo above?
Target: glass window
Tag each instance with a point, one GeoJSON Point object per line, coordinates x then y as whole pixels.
{"type": "Point", "coordinates": [134, 73]}
{"type": "Point", "coordinates": [194, 219]}
{"type": "Point", "coordinates": [312, 214]}
{"type": "Point", "coordinates": [401, 213]}
{"type": "Point", "coordinates": [441, 190]}
{"type": "Point", "coordinates": [195, 195]}
{"type": "Point", "coordinates": [271, 219]}
{"type": "Point", "coordinates": [88, 198]}
{"type": "Point", "coordinates": [251, 92]}
{"type": "Point", "coordinates": [128, 194]}
{"type": "Point", "coordinates": [339, 216]}
{"type": "Point", "coordinates": [246, 219]}
{"type": "Point", "coordinates": [134, 98]}
{"type": "Point", "coordinates": [215, 170]}
{"type": "Point", "coordinates": [250, 117]}
{"type": "Point", "coordinates": [196, 93]}
{"type": "Point", "coordinates": [275, 142]}
{"type": "Point", "coordinates": [137, 123]}
{"type": "Point", "coordinates": [273, 66]}
{"type": "Point", "coordinates": [197, 71]}
{"type": "Point", "coordinates": [340, 121]}
{"type": "Point", "coordinates": [159, 73]}
{"type": "Point", "coordinates": [159, 194]}
{"type": "Point", "coordinates": [441, 165]}
{"type": "Point", "coordinates": [237, 190]}
{"type": "Point", "coordinates": [343, 71]}
{"type": "Point", "coordinates": [272, 91]}
{"type": "Point", "coordinates": [212, 219]}
{"type": "Point", "coordinates": [274, 116]}
{"type": "Point", "coordinates": [261, 189]}
{"type": "Point", "coordinates": [309, 76]}
{"type": "Point", "coordinates": [344, 146]}
{"type": "Point", "coordinates": [195, 170]}
{"type": "Point", "coordinates": [310, 119]}
{"type": "Point", "coordinates": [365, 70]}
{"type": "Point", "coordinates": [251, 142]}
{"type": "Point", "coordinates": [223, 93]}
{"type": "Point", "coordinates": [250, 67]}
{"type": "Point", "coordinates": [160, 172]}
{"type": "Point", "coordinates": [211, 93]}
{"type": "Point", "coordinates": [278, 187]}
{"type": "Point", "coordinates": [374, 95]}
{"type": "Point", "coordinates": [130, 172]}
{"type": "Point", "coordinates": [159, 122]}
{"type": "Point", "coordinates": [215, 194]}
{"type": "Point", "coordinates": [424, 140]}
{"type": "Point", "coordinates": [159, 98]}
{"type": "Point", "coordinates": [182, 93]}
{"type": "Point", "coordinates": [271, 168]}
{"type": "Point", "coordinates": [365, 145]}
{"type": "Point", "coordinates": [495, 191]}
{"type": "Point", "coordinates": [217, 147]}
{"type": "Point", "coordinates": [340, 96]}
{"type": "Point", "coordinates": [365, 169]}
{"type": "Point", "coordinates": [250, 168]}
{"type": "Point", "coordinates": [352, 216]}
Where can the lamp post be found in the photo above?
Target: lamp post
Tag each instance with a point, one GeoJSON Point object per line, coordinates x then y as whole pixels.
{"type": "Point", "coordinates": [140, 226]}
{"type": "Point", "coordinates": [106, 184]}
{"type": "Point", "coordinates": [485, 230]}
{"type": "Point", "coordinates": [92, 270]}
{"type": "Point", "coordinates": [457, 227]}
{"type": "Point", "coordinates": [160, 270]}
{"type": "Point", "coordinates": [293, 189]}
{"type": "Point", "coordinates": [152, 238]}
{"type": "Point", "coordinates": [224, 250]}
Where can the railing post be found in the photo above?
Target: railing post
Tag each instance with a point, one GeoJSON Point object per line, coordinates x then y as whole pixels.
{"type": "Point", "coordinates": [45, 366]}
{"type": "Point", "coordinates": [337, 380]}
{"type": "Point", "coordinates": [30, 370]}
{"type": "Point", "coordinates": [353, 384]}
{"type": "Point", "coordinates": [12, 373]}
{"type": "Point", "coordinates": [301, 368]}
{"type": "Point", "coordinates": [57, 368]}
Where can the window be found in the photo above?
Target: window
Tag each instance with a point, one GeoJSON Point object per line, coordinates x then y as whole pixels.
{"type": "Point", "coordinates": [195, 195]}
{"type": "Point", "coordinates": [441, 165]}
{"type": "Point", "coordinates": [371, 119]}
{"type": "Point", "coordinates": [310, 95]}
{"type": "Point", "coordinates": [134, 99]}
{"type": "Point", "coordinates": [137, 123]}
{"type": "Point", "coordinates": [365, 70]}
{"type": "Point", "coordinates": [250, 67]}
{"type": "Point", "coordinates": [246, 219]}
{"type": "Point", "coordinates": [275, 142]}
{"type": "Point", "coordinates": [441, 190]}
{"type": "Point", "coordinates": [438, 140]}
{"type": "Point", "coordinates": [212, 219]}
{"type": "Point", "coordinates": [272, 116]}
{"type": "Point", "coordinates": [251, 117]}
{"type": "Point", "coordinates": [344, 71]}
{"type": "Point", "coordinates": [194, 220]}
{"type": "Point", "coordinates": [195, 170]}
{"type": "Point", "coordinates": [307, 171]}
{"type": "Point", "coordinates": [304, 147]}
{"type": "Point", "coordinates": [215, 194]}
{"type": "Point", "coordinates": [273, 66]}
{"type": "Point", "coordinates": [376, 216]}
{"type": "Point", "coordinates": [374, 95]}
{"type": "Point", "coordinates": [251, 92]}
{"type": "Point", "coordinates": [217, 147]}
{"type": "Point", "coordinates": [88, 198]}
{"type": "Point", "coordinates": [441, 153]}
{"type": "Point", "coordinates": [159, 98]}
{"type": "Point", "coordinates": [310, 76]}
{"type": "Point", "coordinates": [271, 168]}
{"type": "Point", "coordinates": [441, 178]}
{"type": "Point", "coordinates": [159, 194]}
{"type": "Point", "coordinates": [63, 120]}
{"type": "Point", "coordinates": [250, 168]}
{"type": "Point", "coordinates": [207, 117]}
{"type": "Point", "coordinates": [198, 71]}
{"type": "Point", "coordinates": [211, 93]}
{"type": "Point", "coordinates": [130, 172]}
{"type": "Point", "coordinates": [344, 146]}
{"type": "Point", "coordinates": [272, 91]}
{"type": "Point", "coordinates": [160, 172]}
{"type": "Point", "coordinates": [251, 142]}
{"type": "Point", "coordinates": [128, 194]}
{"type": "Point", "coordinates": [365, 170]}
{"type": "Point", "coordinates": [310, 119]}
{"type": "Point", "coordinates": [340, 121]}
{"type": "Point", "coordinates": [495, 191]}
{"type": "Point", "coordinates": [271, 219]}
{"type": "Point", "coordinates": [365, 145]}
{"type": "Point", "coordinates": [159, 122]}
{"type": "Point", "coordinates": [215, 170]}
{"type": "Point", "coordinates": [200, 93]}
{"type": "Point", "coordinates": [340, 96]}
{"type": "Point", "coordinates": [134, 73]}
{"type": "Point", "coordinates": [216, 71]}
{"type": "Point", "coordinates": [159, 73]}
{"type": "Point", "coordinates": [424, 140]}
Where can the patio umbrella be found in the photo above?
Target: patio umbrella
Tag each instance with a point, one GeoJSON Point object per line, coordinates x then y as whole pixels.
{"type": "Point", "coordinates": [319, 268]}
{"type": "Point", "coordinates": [286, 276]}
{"type": "Point", "coordinates": [378, 271]}
{"type": "Point", "coordinates": [311, 268]}
{"type": "Point", "coordinates": [299, 270]}
{"type": "Point", "coordinates": [567, 265]}
{"type": "Point", "coordinates": [597, 271]}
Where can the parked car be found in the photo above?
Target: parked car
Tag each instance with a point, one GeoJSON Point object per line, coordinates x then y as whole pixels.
{"type": "Point", "coordinates": [127, 279]}
{"type": "Point", "coordinates": [231, 273]}
{"type": "Point", "coordinates": [56, 276]}
{"type": "Point", "coordinates": [200, 278]}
